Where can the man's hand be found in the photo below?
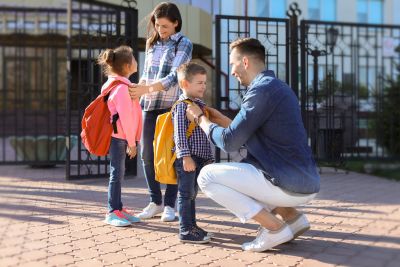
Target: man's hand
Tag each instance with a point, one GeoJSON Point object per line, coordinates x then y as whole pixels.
{"type": "Point", "coordinates": [131, 151]}
{"type": "Point", "coordinates": [136, 90]}
{"type": "Point", "coordinates": [188, 164]}
{"type": "Point", "coordinates": [218, 118]}
{"type": "Point", "coordinates": [193, 111]}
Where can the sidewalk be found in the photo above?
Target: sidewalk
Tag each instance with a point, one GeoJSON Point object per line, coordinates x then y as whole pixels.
{"type": "Point", "coordinates": [47, 221]}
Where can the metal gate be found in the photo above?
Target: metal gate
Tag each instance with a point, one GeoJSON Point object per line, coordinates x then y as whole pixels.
{"type": "Point", "coordinates": [273, 34]}
{"type": "Point", "coordinates": [32, 86]}
{"type": "Point", "coordinates": [345, 71]}
{"type": "Point", "coordinates": [41, 104]}
{"type": "Point", "coordinates": [94, 26]}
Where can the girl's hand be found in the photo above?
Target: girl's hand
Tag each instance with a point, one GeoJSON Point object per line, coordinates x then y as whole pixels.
{"type": "Point", "coordinates": [131, 151]}
{"type": "Point", "coordinates": [188, 164]}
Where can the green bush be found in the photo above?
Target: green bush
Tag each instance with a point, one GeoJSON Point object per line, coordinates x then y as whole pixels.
{"type": "Point", "coordinates": [390, 117]}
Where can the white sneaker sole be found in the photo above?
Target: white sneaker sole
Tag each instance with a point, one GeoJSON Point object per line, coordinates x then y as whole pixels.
{"type": "Point", "coordinates": [283, 240]}
{"type": "Point", "coordinates": [163, 219]}
{"type": "Point", "coordinates": [299, 226]}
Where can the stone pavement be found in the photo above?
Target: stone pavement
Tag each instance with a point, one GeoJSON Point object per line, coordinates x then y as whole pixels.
{"type": "Point", "coordinates": [47, 221]}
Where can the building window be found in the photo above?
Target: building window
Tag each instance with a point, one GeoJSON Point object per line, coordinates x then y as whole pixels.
{"type": "Point", "coordinates": [369, 11]}
{"type": "Point", "coordinates": [265, 8]}
{"type": "Point", "coordinates": [205, 5]}
{"type": "Point", "coordinates": [227, 7]}
{"type": "Point", "coordinates": [322, 10]}
{"type": "Point", "coordinates": [277, 9]}
{"type": "Point", "coordinates": [396, 7]}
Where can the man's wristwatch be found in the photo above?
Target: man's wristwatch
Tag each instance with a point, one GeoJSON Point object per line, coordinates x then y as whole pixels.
{"type": "Point", "coordinates": [197, 119]}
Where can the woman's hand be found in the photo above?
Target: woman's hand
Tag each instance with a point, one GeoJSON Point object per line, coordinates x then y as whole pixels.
{"type": "Point", "coordinates": [131, 151]}
{"type": "Point", "coordinates": [193, 111]}
{"type": "Point", "coordinates": [136, 90]}
{"type": "Point", "coordinates": [188, 164]}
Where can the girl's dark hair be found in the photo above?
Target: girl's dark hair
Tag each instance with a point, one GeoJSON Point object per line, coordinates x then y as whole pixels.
{"type": "Point", "coordinates": [163, 10]}
{"type": "Point", "coordinates": [113, 60]}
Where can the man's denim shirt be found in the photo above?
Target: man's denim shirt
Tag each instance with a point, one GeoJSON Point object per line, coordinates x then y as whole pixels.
{"type": "Point", "coordinates": [269, 124]}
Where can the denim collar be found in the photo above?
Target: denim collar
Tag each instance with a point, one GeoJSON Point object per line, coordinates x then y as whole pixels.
{"type": "Point", "coordinates": [259, 76]}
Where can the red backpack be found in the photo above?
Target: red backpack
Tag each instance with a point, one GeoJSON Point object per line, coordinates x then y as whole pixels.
{"type": "Point", "coordinates": [96, 125]}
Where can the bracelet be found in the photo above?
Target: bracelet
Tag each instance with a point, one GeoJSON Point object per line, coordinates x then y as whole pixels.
{"type": "Point", "coordinates": [197, 119]}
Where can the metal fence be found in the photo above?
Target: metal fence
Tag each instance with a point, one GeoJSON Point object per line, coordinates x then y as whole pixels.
{"type": "Point", "coordinates": [345, 72]}
{"type": "Point", "coordinates": [41, 104]}
{"type": "Point", "coordinates": [95, 26]}
{"type": "Point", "coordinates": [344, 75]}
{"type": "Point", "coordinates": [32, 86]}
{"type": "Point", "coordinates": [273, 34]}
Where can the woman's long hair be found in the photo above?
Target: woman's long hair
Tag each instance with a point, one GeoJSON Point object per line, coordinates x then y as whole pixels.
{"type": "Point", "coordinates": [163, 10]}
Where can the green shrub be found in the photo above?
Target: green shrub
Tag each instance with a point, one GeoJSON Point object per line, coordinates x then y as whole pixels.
{"type": "Point", "coordinates": [390, 117]}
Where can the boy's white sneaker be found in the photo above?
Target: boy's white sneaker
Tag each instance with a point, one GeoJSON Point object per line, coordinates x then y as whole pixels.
{"type": "Point", "coordinates": [299, 225]}
{"type": "Point", "coordinates": [150, 211]}
{"type": "Point", "coordinates": [168, 214]}
{"type": "Point", "coordinates": [267, 239]}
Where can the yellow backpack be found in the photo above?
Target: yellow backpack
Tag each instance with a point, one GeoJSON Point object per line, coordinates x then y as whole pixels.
{"type": "Point", "coordinates": [163, 144]}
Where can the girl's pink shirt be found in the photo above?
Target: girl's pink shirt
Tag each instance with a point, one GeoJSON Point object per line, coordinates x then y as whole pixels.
{"type": "Point", "coordinates": [129, 124]}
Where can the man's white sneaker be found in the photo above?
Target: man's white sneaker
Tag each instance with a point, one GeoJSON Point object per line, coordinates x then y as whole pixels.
{"type": "Point", "coordinates": [299, 225]}
{"type": "Point", "coordinates": [168, 214]}
{"type": "Point", "coordinates": [150, 211]}
{"type": "Point", "coordinates": [267, 239]}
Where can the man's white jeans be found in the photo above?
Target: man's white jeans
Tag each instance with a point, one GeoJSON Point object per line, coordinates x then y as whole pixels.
{"type": "Point", "coordinates": [243, 189]}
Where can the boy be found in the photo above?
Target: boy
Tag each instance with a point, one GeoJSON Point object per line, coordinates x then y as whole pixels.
{"type": "Point", "coordinates": [191, 154]}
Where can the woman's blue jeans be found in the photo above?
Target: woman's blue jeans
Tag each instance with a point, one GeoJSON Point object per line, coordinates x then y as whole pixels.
{"type": "Point", "coordinates": [147, 154]}
{"type": "Point", "coordinates": [188, 188]}
{"type": "Point", "coordinates": [117, 171]}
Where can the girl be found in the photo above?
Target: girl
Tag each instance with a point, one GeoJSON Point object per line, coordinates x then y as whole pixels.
{"type": "Point", "coordinates": [118, 64]}
{"type": "Point", "coordinates": [166, 50]}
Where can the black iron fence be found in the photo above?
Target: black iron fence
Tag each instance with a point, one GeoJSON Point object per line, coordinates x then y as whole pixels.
{"type": "Point", "coordinates": [345, 72]}
{"type": "Point", "coordinates": [32, 86]}
{"type": "Point", "coordinates": [41, 104]}
{"type": "Point", "coordinates": [95, 26]}
{"type": "Point", "coordinates": [273, 34]}
{"type": "Point", "coordinates": [344, 76]}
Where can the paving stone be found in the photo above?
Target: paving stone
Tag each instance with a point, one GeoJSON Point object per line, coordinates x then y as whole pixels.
{"type": "Point", "coordinates": [355, 222]}
{"type": "Point", "coordinates": [33, 255]}
{"type": "Point", "coordinates": [86, 253]}
{"type": "Point", "coordinates": [112, 258]}
{"type": "Point", "coordinates": [144, 261]}
{"type": "Point", "coordinates": [58, 260]}
{"type": "Point", "coordinates": [178, 263]}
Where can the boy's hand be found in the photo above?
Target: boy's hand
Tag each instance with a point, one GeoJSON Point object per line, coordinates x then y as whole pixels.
{"type": "Point", "coordinates": [193, 111]}
{"type": "Point", "coordinates": [188, 164]}
{"type": "Point", "coordinates": [131, 151]}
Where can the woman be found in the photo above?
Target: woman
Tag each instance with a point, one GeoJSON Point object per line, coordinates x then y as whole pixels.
{"type": "Point", "coordinates": [166, 50]}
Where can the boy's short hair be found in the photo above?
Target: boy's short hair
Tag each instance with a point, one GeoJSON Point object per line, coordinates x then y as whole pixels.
{"type": "Point", "coordinates": [249, 47]}
{"type": "Point", "coordinates": [186, 71]}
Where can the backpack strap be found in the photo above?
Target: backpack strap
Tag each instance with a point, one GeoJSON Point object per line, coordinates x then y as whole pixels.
{"type": "Point", "coordinates": [106, 93]}
{"type": "Point", "coordinates": [177, 43]}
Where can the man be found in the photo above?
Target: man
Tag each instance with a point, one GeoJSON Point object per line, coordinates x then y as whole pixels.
{"type": "Point", "coordinates": [279, 172]}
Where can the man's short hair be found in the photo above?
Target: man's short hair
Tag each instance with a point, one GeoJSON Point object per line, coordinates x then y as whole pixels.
{"type": "Point", "coordinates": [249, 47]}
{"type": "Point", "coordinates": [186, 71]}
